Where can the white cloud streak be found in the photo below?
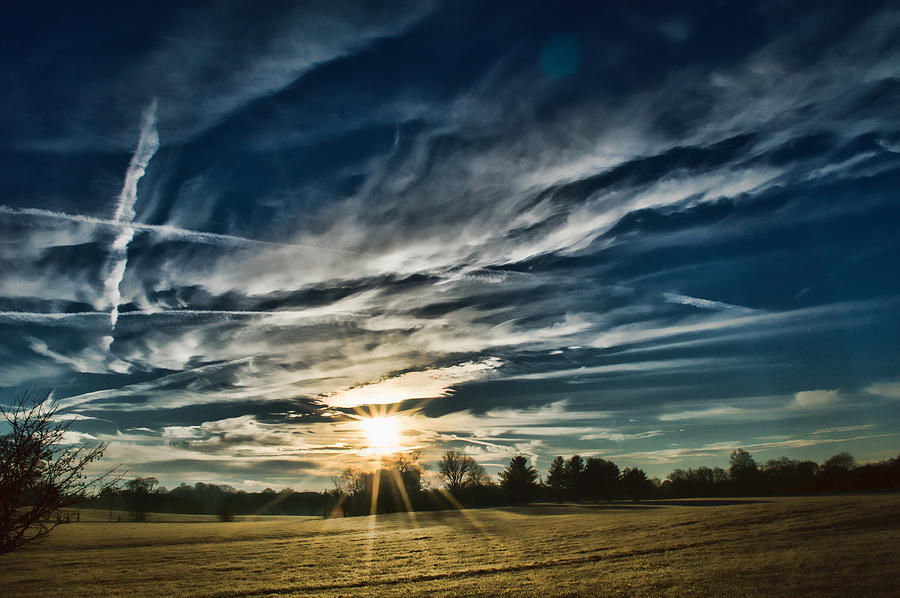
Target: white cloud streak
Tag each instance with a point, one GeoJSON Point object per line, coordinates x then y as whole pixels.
{"type": "Point", "coordinates": [143, 387]}
{"type": "Point", "coordinates": [639, 367]}
{"type": "Point", "coordinates": [704, 303]}
{"type": "Point", "coordinates": [425, 384]}
{"type": "Point", "coordinates": [166, 231]}
{"type": "Point", "coordinates": [702, 414]}
{"type": "Point", "coordinates": [722, 449]}
{"type": "Point", "coordinates": [148, 143]}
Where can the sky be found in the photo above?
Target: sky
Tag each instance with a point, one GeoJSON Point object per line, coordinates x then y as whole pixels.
{"type": "Point", "coordinates": [650, 232]}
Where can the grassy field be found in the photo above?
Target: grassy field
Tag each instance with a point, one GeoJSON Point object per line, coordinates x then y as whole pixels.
{"type": "Point", "coordinates": [821, 546]}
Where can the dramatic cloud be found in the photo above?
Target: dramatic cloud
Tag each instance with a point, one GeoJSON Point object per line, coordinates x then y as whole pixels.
{"type": "Point", "coordinates": [230, 229]}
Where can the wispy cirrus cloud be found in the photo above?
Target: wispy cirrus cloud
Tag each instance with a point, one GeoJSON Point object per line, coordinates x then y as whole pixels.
{"type": "Point", "coordinates": [722, 449]}
{"type": "Point", "coordinates": [704, 303]}
{"type": "Point", "coordinates": [216, 75]}
{"type": "Point", "coordinates": [642, 247]}
{"type": "Point", "coordinates": [426, 384]}
{"type": "Point", "coordinates": [637, 367]}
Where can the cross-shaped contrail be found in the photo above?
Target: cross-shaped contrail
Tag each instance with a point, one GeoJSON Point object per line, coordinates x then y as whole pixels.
{"type": "Point", "coordinates": [148, 143]}
{"type": "Point", "coordinates": [165, 230]}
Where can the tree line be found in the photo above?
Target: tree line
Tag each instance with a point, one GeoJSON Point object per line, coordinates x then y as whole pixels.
{"type": "Point", "coordinates": [839, 473]}
{"type": "Point", "coordinates": [460, 481]}
{"type": "Point", "coordinates": [143, 495]}
{"type": "Point", "coordinates": [594, 478]}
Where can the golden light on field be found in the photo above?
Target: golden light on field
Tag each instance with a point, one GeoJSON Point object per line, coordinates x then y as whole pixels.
{"type": "Point", "coordinates": [382, 433]}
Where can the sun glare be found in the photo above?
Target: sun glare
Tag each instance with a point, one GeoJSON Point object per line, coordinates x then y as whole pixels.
{"type": "Point", "coordinates": [382, 433]}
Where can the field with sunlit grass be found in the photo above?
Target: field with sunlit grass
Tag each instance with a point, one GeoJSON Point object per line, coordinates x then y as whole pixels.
{"type": "Point", "coordinates": [820, 546]}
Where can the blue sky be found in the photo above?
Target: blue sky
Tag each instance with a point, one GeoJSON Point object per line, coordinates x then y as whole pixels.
{"type": "Point", "coordinates": [649, 232]}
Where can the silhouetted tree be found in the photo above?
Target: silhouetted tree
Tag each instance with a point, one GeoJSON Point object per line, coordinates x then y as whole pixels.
{"type": "Point", "coordinates": [842, 462]}
{"type": "Point", "coordinates": [40, 472]}
{"type": "Point", "coordinates": [353, 485]}
{"type": "Point", "coordinates": [395, 486]}
{"type": "Point", "coordinates": [777, 473]}
{"type": "Point", "coordinates": [139, 495]}
{"type": "Point", "coordinates": [556, 478]}
{"type": "Point", "coordinates": [601, 478]}
{"type": "Point", "coordinates": [635, 483]}
{"type": "Point", "coordinates": [458, 470]}
{"type": "Point", "coordinates": [878, 476]}
{"type": "Point", "coordinates": [410, 466]}
{"type": "Point", "coordinates": [743, 471]}
{"type": "Point", "coordinates": [807, 469]}
{"type": "Point", "coordinates": [835, 472]}
{"type": "Point", "coordinates": [785, 475]}
{"type": "Point", "coordinates": [350, 481]}
{"type": "Point", "coordinates": [574, 478]}
{"type": "Point", "coordinates": [519, 479]}
{"type": "Point", "coordinates": [703, 481]}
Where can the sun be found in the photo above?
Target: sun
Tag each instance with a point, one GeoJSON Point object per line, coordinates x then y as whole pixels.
{"type": "Point", "coordinates": [382, 433]}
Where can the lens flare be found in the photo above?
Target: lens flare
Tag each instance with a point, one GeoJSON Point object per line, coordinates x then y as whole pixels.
{"type": "Point", "coordinates": [382, 433]}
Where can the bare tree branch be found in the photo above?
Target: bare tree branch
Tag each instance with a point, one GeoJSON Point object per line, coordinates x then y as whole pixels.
{"type": "Point", "coordinates": [41, 473]}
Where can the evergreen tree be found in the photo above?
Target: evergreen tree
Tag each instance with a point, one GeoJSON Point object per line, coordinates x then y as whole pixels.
{"type": "Point", "coordinates": [519, 479]}
{"type": "Point", "coordinates": [601, 478]}
{"type": "Point", "coordinates": [575, 477]}
{"type": "Point", "coordinates": [556, 478]}
{"type": "Point", "coordinates": [635, 483]}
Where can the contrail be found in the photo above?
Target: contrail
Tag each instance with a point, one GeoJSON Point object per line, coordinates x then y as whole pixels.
{"type": "Point", "coordinates": [34, 316]}
{"type": "Point", "coordinates": [37, 317]}
{"type": "Point", "coordinates": [148, 143]}
{"type": "Point", "coordinates": [164, 230]}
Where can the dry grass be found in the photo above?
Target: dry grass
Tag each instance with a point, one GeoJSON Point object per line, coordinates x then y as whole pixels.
{"type": "Point", "coordinates": [822, 546]}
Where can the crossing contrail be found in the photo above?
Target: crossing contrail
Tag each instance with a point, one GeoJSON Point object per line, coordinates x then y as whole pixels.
{"type": "Point", "coordinates": [164, 230]}
{"type": "Point", "coordinates": [40, 317]}
{"type": "Point", "coordinates": [148, 143]}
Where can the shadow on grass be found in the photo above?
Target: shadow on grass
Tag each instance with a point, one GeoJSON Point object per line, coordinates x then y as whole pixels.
{"type": "Point", "coordinates": [708, 502]}
{"type": "Point", "coordinates": [564, 508]}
